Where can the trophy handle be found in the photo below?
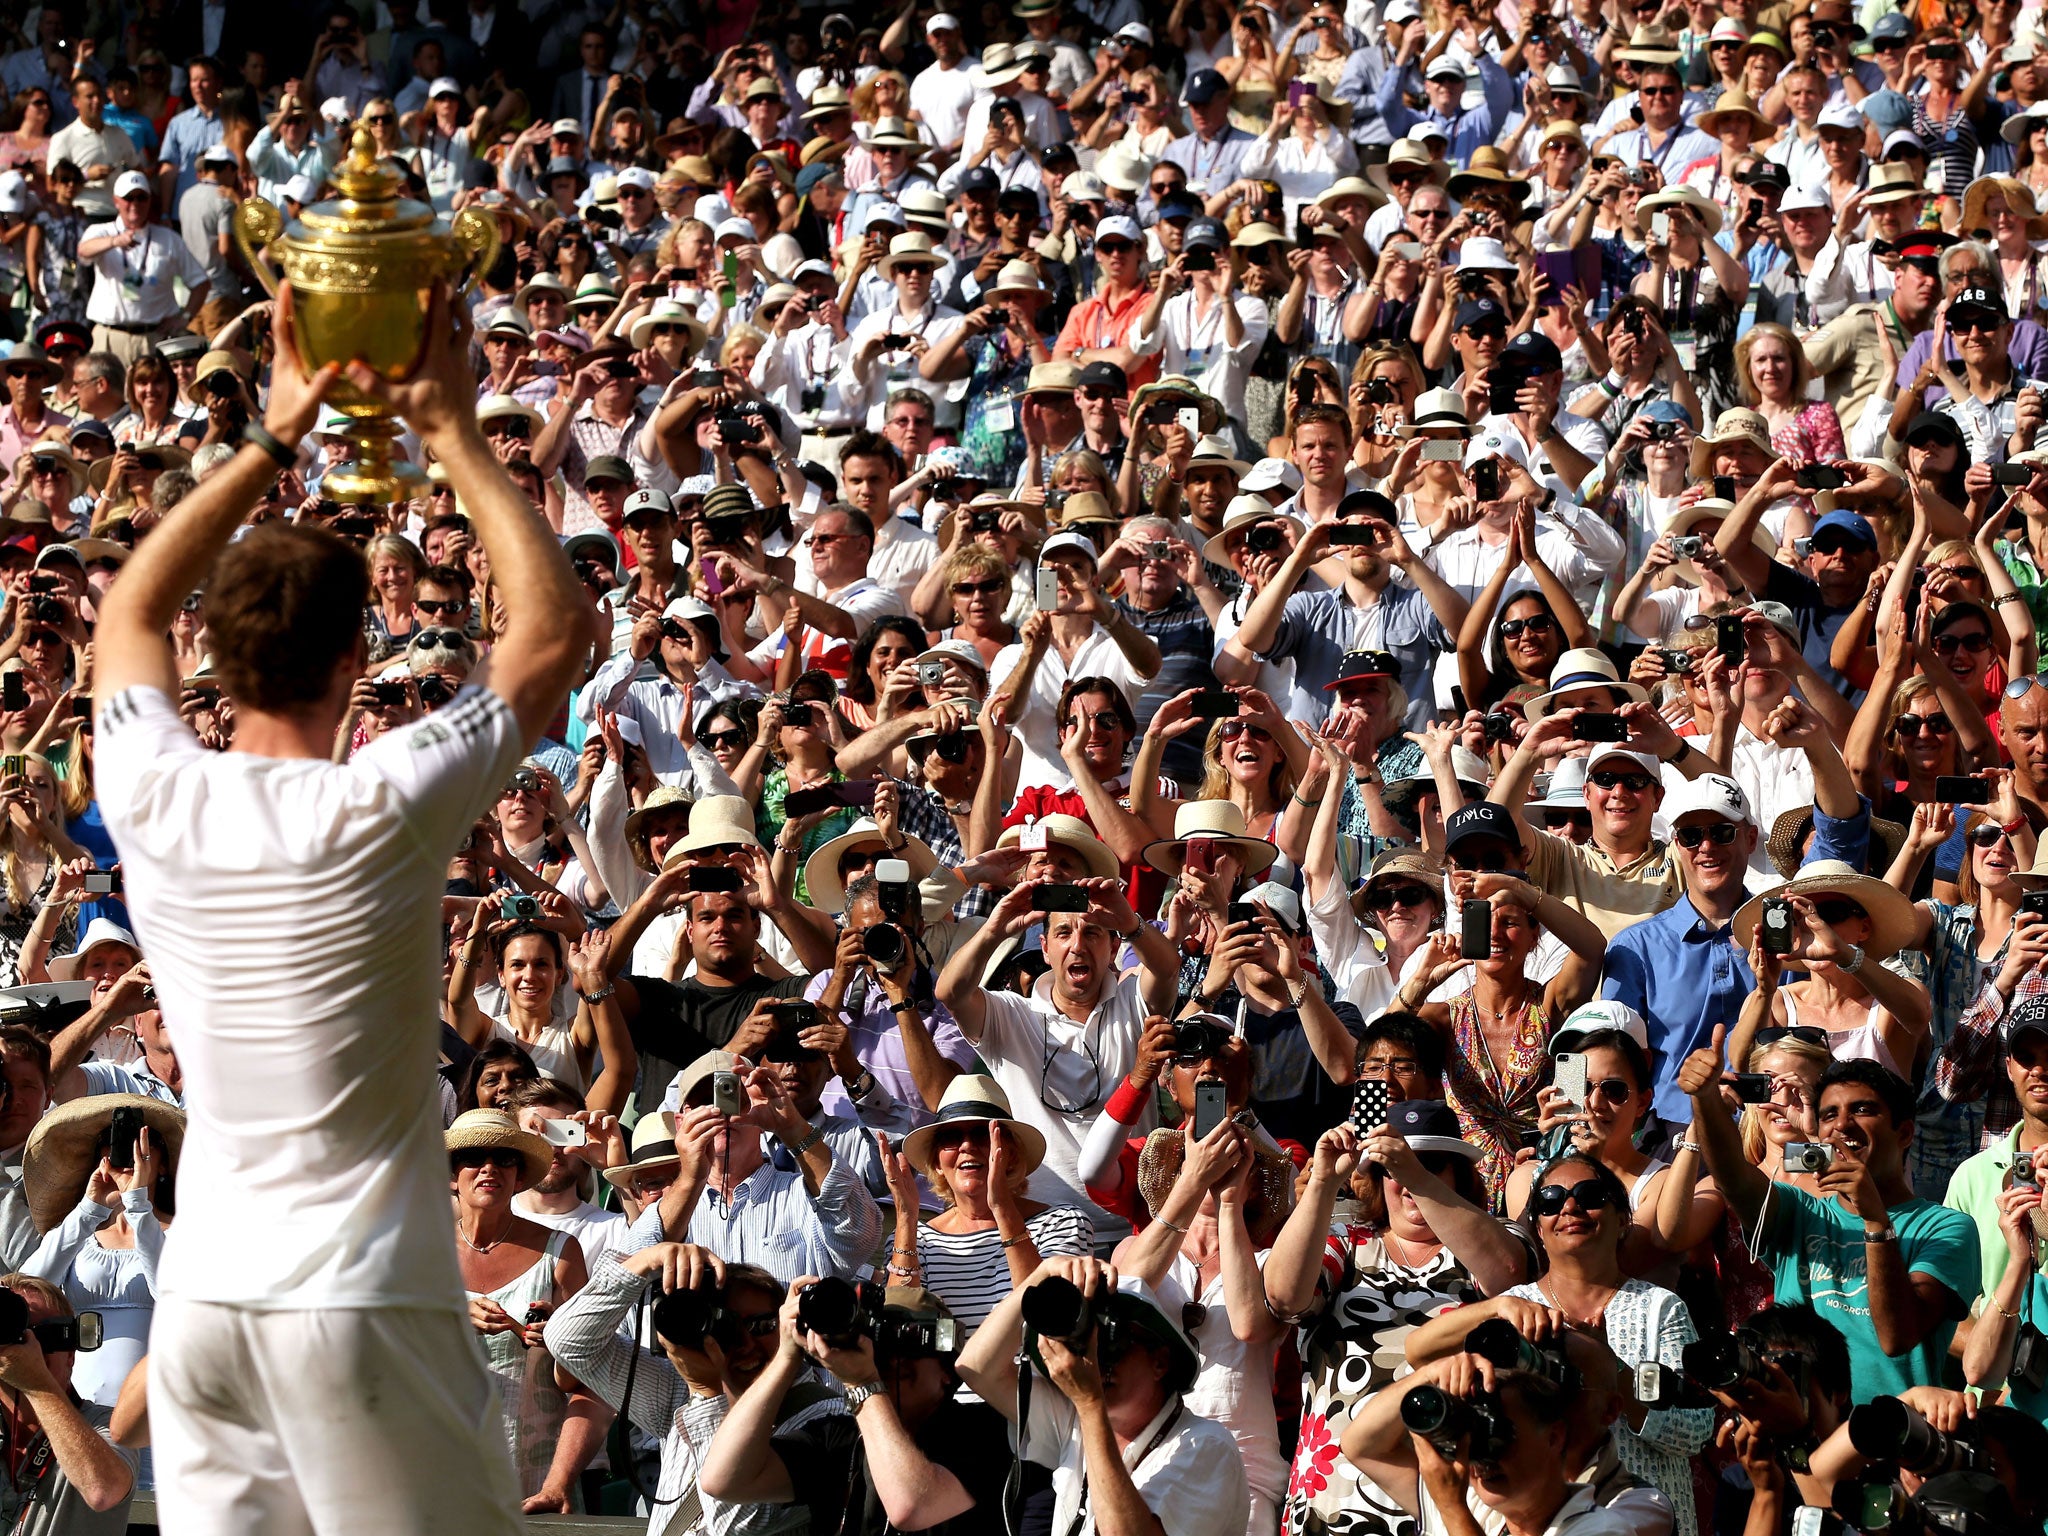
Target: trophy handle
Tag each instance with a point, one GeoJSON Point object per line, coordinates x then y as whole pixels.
{"type": "Point", "coordinates": [475, 233]}
{"type": "Point", "coordinates": [257, 223]}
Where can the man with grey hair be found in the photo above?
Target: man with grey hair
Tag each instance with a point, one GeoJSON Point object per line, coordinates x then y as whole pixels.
{"type": "Point", "coordinates": [1969, 264]}
{"type": "Point", "coordinates": [98, 379]}
{"type": "Point", "coordinates": [1169, 596]}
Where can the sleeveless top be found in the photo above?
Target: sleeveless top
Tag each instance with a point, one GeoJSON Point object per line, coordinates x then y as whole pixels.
{"type": "Point", "coordinates": [1495, 1100]}
{"type": "Point", "coordinates": [1863, 1043]}
{"type": "Point", "coordinates": [533, 1406]}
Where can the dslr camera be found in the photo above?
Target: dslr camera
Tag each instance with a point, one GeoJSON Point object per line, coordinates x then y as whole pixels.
{"type": "Point", "coordinates": [1444, 1420]}
{"type": "Point", "coordinates": [56, 1335]}
{"type": "Point", "coordinates": [1885, 1429]}
{"type": "Point", "coordinates": [1265, 539]}
{"type": "Point", "coordinates": [842, 1312]}
{"type": "Point", "coordinates": [1194, 1039]}
{"type": "Point", "coordinates": [1497, 1340]}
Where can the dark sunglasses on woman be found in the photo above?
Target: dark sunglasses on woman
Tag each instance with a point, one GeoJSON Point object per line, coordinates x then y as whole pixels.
{"type": "Point", "coordinates": [1590, 1194]}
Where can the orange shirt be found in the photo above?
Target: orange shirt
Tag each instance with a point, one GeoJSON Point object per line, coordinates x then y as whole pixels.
{"type": "Point", "coordinates": [1098, 323]}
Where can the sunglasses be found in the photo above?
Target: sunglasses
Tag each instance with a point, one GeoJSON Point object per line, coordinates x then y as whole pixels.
{"type": "Point", "coordinates": [1656, 90]}
{"type": "Point", "coordinates": [1165, 188]}
{"type": "Point", "coordinates": [1397, 896]}
{"type": "Point", "coordinates": [1805, 1034]}
{"type": "Point", "coordinates": [1102, 720]}
{"type": "Point", "coordinates": [508, 426]}
{"type": "Point", "coordinates": [1564, 821]}
{"type": "Point", "coordinates": [1986, 834]}
{"type": "Point", "coordinates": [488, 1157]}
{"type": "Point", "coordinates": [1113, 247]}
{"type": "Point", "coordinates": [1837, 910]}
{"type": "Point", "coordinates": [1976, 642]}
{"type": "Point", "coordinates": [1429, 213]}
{"type": "Point", "coordinates": [1635, 783]}
{"type": "Point", "coordinates": [438, 639]}
{"type": "Point", "coordinates": [1233, 729]}
{"type": "Point", "coordinates": [1407, 178]}
{"type": "Point", "coordinates": [1535, 624]}
{"type": "Point", "coordinates": [1915, 725]}
{"type": "Point", "coordinates": [1720, 834]}
{"type": "Point", "coordinates": [732, 738]}
{"type": "Point", "coordinates": [437, 607]}
{"type": "Point", "coordinates": [1489, 863]}
{"type": "Point", "coordinates": [381, 120]}
{"type": "Point", "coordinates": [980, 588]}
{"type": "Point", "coordinates": [1616, 1090]}
{"type": "Point", "coordinates": [2017, 688]}
{"type": "Point", "coordinates": [1551, 1199]}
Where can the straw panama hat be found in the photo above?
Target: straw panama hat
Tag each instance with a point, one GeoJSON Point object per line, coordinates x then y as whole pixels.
{"type": "Point", "coordinates": [654, 1146]}
{"type": "Point", "coordinates": [1891, 911]}
{"type": "Point", "coordinates": [492, 1129]}
{"type": "Point", "coordinates": [1074, 833]}
{"type": "Point", "coordinates": [821, 869]}
{"type": "Point", "coordinates": [66, 1145]}
{"type": "Point", "coordinates": [975, 1100]}
{"type": "Point", "coordinates": [1217, 821]}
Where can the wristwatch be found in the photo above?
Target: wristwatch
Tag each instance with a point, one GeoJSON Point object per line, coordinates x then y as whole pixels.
{"type": "Point", "coordinates": [1887, 1234]}
{"type": "Point", "coordinates": [1854, 963]}
{"type": "Point", "coordinates": [798, 1149]}
{"type": "Point", "coordinates": [855, 1396]}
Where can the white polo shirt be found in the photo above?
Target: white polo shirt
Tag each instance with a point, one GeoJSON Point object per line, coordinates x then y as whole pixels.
{"type": "Point", "coordinates": [1186, 1468]}
{"type": "Point", "coordinates": [132, 285]}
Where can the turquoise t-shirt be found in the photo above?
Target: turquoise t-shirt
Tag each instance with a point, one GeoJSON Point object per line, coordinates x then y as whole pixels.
{"type": "Point", "coordinates": [2033, 1308]}
{"type": "Point", "coordinates": [1814, 1248]}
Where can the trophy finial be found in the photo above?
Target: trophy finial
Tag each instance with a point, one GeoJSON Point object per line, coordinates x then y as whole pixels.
{"type": "Point", "coordinates": [362, 149]}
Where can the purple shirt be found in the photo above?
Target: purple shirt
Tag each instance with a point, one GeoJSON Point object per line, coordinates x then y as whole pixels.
{"type": "Point", "coordinates": [2028, 349]}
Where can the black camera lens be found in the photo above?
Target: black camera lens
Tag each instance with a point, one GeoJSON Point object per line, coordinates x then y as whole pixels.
{"type": "Point", "coordinates": [1196, 1039]}
{"type": "Point", "coordinates": [952, 748]}
{"type": "Point", "coordinates": [1056, 1309]}
{"type": "Point", "coordinates": [1265, 539]}
{"type": "Point", "coordinates": [686, 1318]}
{"type": "Point", "coordinates": [49, 611]}
{"type": "Point", "coordinates": [1720, 1361]}
{"type": "Point", "coordinates": [796, 714]}
{"type": "Point", "coordinates": [836, 1311]}
{"type": "Point", "coordinates": [1885, 1429]}
{"type": "Point", "coordinates": [884, 944]}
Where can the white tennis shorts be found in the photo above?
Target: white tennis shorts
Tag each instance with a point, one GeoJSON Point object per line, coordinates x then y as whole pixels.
{"type": "Point", "coordinates": [325, 1424]}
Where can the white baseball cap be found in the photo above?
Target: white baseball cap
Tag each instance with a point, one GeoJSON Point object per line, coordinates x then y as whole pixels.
{"type": "Point", "coordinates": [943, 22]}
{"type": "Point", "coordinates": [961, 651]}
{"type": "Point", "coordinates": [635, 176]}
{"type": "Point", "coordinates": [740, 229]}
{"type": "Point", "coordinates": [1402, 10]}
{"type": "Point", "coordinates": [1841, 115]}
{"type": "Point", "coordinates": [1117, 226]}
{"type": "Point", "coordinates": [1711, 792]}
{"type": "Point", "coordinates": [1805, 199]}
{"type": "Point", "coordinates": [1073, 541]}
{"type": "Point", "coordinates": [1608, 751]}
{"type": "Point", "coordinates": [1597, 1017]}
{"type": "Point", "coordinates": [299, 189]}
{"type": "Point", "coordinates": [565, 128]}
{"type": "Point", "coordinates": [129, 183]}
{"type": "Point", "coordinates": [445, 86]}
{"type": "Point", "coordinates": [1135, 32]}
{"type": "Point", "coordinates": [1269, 474]}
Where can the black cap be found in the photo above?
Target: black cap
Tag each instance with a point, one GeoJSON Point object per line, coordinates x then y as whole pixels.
{"type": "Point", "coordinates": [1203, 87]}
{"type": "Point", "coordinates": [2027, 1013]}
{"type": "Point", "coordinates": [1933, 426]}
{"type": "Point", "coordinates": [1362, 664]}
{"type": "Point", "coordinates": [1428, 1125]}
{"type": "Point", "coordinates": [1766, 173]}
{"type": "Point", "coordinates": [1484, 819]}
{"type": "Point", "coordinates": [1475, 311]}
{"type": "Point", "coordinates": [1207, 232]}
{"type": "Point", "coordinates": [1372, 504]}
{"type": "Point", "coordinates": [1101, 375]}
{"type": "Point", "coordinates": [1979, 300]}
{"type": "Point", "coordinates": [1536, 352]}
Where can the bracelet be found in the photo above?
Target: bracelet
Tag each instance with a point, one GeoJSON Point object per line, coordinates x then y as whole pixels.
{"type": "Point", "coordinates": [1309, 803]}
{"type": "Point", "coordinates": [2014, 827]}
{"type": "Point", "coordinates": [2008, 1316]}
{"type": "Point", "coordinates": [1171, 1226]}
{"type": "Point", "coordinates": [1021, 1237]}
{"type": "Point", "coordinates": [256, 437]}
{"type": "Point", "coordinates": [1890, 1234]}
{"type": "Point", "coordinates": [601, 994]}
{"type": "Point", "coordinates": [2006, 597]}
{"type": "Point", "coordinates": [1688, 1146]}
{"type": "Point", "coordinates": [898, 1269]}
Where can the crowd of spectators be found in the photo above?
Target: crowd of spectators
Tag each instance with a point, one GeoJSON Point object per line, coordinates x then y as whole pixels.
{"type": "Point", "coordinates": [1309, 789]}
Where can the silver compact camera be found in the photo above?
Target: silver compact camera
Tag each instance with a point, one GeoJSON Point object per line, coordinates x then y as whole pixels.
{"type": "Point", "coordinates": [1685, 546]}
{"type": "Point", "coordinates": [1808, 1157]}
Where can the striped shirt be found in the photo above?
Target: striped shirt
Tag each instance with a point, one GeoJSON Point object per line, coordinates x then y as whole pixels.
{"type": "Point", "coordinates": [968, 1272]}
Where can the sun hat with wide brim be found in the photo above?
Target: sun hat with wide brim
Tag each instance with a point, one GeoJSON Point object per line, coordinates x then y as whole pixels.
{"type": "Point", "coordinates": [1489, 171]}
{"type": "Point", "coordinates": [28, 354]}
{"type": "Point", "coordinates": [2036, 878]}
{"type": "Point", "coordinates": [99, 933]}
{"type": "Point", "coordinates": [1786, 845]}
{"type": "Point", "coordinates": [1179, 390]}
{"type": "Point", "coordinates": [665, 797]}
{"type": "Point", "coordinates": [1733, 104]}
{"type": "Point", "coordinates": [1210, 821]}
{"type": "Point", "coordinates": [1408, 154]}
{"type": "Point", "coordinates": [654, 1146]}
{"type": "Point", "coordinates": [1739, 425]}
{"type": "Point", "coordinates": [166, 455]}
{"type": "Point", "coordinates": [1018, 279]}
{"type": "Point", "coordinates": [57, 448]}
{"type": "Point", "coordinates": [1977, 205]}
{"type": "Point", "coordinates": [1243, 512]}
{"type": "Point", "coordinates": [494, 1130]}
{"type": "Point", "coordinates": [1650, 44]}
{"type": "Point", "coordinates": [68, 1142]}
{"type": "Point", "coordinates": [1401, 794]}
{"type": "Point", "coordinates": [1892, 917]}
{"type": "Point", "coordinates": [821, 869]}
{"type": "Point", "coordinates": [1072, 833]}
{"type": "Point", "coordinates": [974, 1100]}
{"type": "Point", "coordinates": [912, 248]}
{"type": "Point", "coordinates": [718, 821]}
{"type": "Point", "coordinates": [669, 312]}
{"type": "Point", "coordinates": [1577, 672]}
{"type": "Point", "coordinates": [1268, 1201]}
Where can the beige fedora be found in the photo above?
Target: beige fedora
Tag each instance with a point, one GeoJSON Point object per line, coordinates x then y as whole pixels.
{"type": "Point", "coordinates": [1210, 821]}
{"type": "Point", "coordinates": [974, 1100]}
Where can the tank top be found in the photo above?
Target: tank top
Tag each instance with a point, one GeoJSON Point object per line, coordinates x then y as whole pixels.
{"type": "Point", "coordinates": [1863, 1043]}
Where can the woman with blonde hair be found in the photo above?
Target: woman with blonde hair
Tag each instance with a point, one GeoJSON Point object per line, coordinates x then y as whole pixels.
{"type": "Point", "coordinates": [396, 569]}
{"type": "Point", "coordinates": [1386, 381]}
{"type": "Point", "coordinates": [380, 116]}
{"type": "Point", "coordinates": [886, 93]}
{"type": "Point", "coordinates": [153, 421]}
{"type": "Point", "coordinates": [1253, 70]}
{"type": "Point", "coordinates": [1253, 760]}
{"type": "Point", "coordinates": [1772, 371]}
{"type": "Point", "coordinates": [991, 1237]}
{"type": "Point", "coordinates": [978, 585]}
{"type": "Point", "coordinates": [2002, 212]}
{"type": "Point", "coordinates": [34, 850]}
{"type": "Point", "coordinates": [1153, 123]}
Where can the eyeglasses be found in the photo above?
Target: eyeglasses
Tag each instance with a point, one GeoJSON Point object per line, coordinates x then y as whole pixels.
{"type": "Point", "coordinates": [1976, 642]}
{"type": "Point", "coordinates": [1635, 783]}
{"type": "Point", "coordinates": [437, 607]}
{"type": "Point", "coordinates": [1986, 834]}
{"type": "Point", "coordinates": [1407, 178]}
{"type": "Point", "coordinates": [1099, 392]}
{"type": "Point", "coordinates": [1162, 188]}
{"type": "Point", "coordinates": [1101, 719]}
{"type": "Point", "coordinates": [1590, 1194]}
{"type": "Point", "coordinates": [1656, 90]}
{"type": "Point", "coordinates": [1973, 327]}
{"type": "Point", "coordinates": [1233, 729]}
{"type": "Point", "coordinates": [508, 426]}
{"type": "Point", "coordinates": [1405, 895]}
{"type": "Point", "coordinates": [632, 191]}
{"type": "Point", "coordinates": [1393, 1066]}
{"type": "Point", "coordinates": [441, 490]}
{"type": "Point", "coordinates": [1915, 725]}
{"type": "Point", "coordinates": [2017, 688]}
{"type": "Point", "coordinates": [1877, 44]}
{"type": "Point", "coordinates": [1835, 910]}
{"type": "Point", "coordinates": [1535, 624]}
{"type": "Point", "coordinates": [1615, 1090]}
{"type": "Point", "coordinates": [1962, 572]}
{"type": "Point", "coordinates": [1725, 43]}
{"type": "Point", "coordinates": [820, 540]}
{"type": "Point", "coordinates": [990, 588]}
{"type": "Point", "coordinates": [1489, 863]}
{"type": "Point", "coordinates": [381, 120]}
{"type": "Point", "coordinates": [1720, 834]}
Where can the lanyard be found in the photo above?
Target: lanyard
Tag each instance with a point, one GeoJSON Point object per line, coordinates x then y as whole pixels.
{"type": "Point", "coordinates": [1081, 1511]}
{"type": "Point", "coordinates": [133, 268]}
{"type": "Point", "coordinates": [38, 1467]}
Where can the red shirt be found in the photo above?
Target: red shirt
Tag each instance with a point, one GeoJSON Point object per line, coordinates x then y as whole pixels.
{"type": "Point", "coordinates": [1144, 885]}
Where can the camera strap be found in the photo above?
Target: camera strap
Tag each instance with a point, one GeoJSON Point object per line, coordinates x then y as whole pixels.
{"type": "Point", "coordinates": [37, 1468]}
{"type": "Point", "coordinates": [641, 1313]}
{"type": "Point", "coordinates": [1158, 1438]}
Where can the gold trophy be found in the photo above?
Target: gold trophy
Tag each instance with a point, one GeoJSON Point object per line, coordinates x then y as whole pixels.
{"type": "Point", "coordinates": [361, 267]}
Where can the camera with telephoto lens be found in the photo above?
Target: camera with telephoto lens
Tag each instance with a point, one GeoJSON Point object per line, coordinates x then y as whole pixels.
{"type": "Point", "coordinates": [952, 747]}
{"type": "Point", "coordinates": [687, 1318]}
{"type": "Point", "coordinates": [1497, 1340]}
{"type": "Point", "coordinates": [56, 1335]}
{"type": "Point", "coordinates": [1722, 1361]}
{"type": "Point", "coordinates": [1444, 1420]}
{"type": "Point", "coordinates": [1056, 1308]}
{"type": "Point", "coordinates": [1195, 1039]}
{"type": "Point", "coordinates": [1885, 1429]}
{"type": "Point", "coordinates": [1265, 539]}
{"type": "Point", "coordinates": [839, 1311]}
{"type": "Point", "coordinates": [885, 945]}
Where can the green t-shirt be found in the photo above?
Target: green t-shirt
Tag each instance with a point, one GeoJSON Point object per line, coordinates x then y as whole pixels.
{"type": "Point", "coordinates": [1974, 1189]}
{"type": "Point", "coordinates": [1814, 1248]}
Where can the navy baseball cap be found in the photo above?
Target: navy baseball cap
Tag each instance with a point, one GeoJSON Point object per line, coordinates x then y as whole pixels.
{"type": "Point", "coordinates": [1477, 311]}
{"type": "Point", "coordinates": [1428, 1125]}
{"type": "Point", "coordinates": [1104, 375]}
{"type": "Point", "coordinates": [1203, 87]}
{"type": "Point", "coordinates": [980, 179]}
{"type": "Point", "coordinates": [2030, 1013]}
{"type": "Point", "coordinates": [1178, 205]}
{"type": "Point", "coordinates": [1208, 232]}
{"type": "Point", "coordinates": [1373, 504]}
{"type": "Point", "coordinates": [1891, 24]}
{"type": "Point", "coordinates": [1535, 351]}
{"type": "Point", "coordinates": [1482, 819]}
{"type": "Point", "coordinates": [1850, 524]}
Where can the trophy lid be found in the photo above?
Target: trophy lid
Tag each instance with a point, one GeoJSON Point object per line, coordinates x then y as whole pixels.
{"type": "Point", "coordinates": [369, 203]}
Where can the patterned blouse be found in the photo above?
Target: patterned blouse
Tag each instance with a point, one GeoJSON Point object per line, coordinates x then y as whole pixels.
{"type": "Point", "coordinates": [1495, 1101]}
{"type": "Point", "coordinates": [1647, 1322]}
{"type": "Point", "coordinates": [768, 820]}
{"type": "Point", "coordinates": [1352, 1345]}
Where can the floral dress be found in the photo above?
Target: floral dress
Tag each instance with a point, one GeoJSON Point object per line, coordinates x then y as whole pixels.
{"type": "Point", "coordinates": [769, 817]}
{"type": "Point", "coordinates": [1813, 436]}
{"type": "Point", "coordinates": [991, 439]}
{"type": "Point", "coordinates": [1495, 1101]}
{"type": "Point", "coordinates": [1352, 1343]}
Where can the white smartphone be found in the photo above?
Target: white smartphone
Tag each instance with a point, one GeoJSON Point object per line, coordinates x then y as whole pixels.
{"type": "Point", "coordinates": [1047, 589]}
{"type": "Point", "coordinates": [1569, 1077]}
{"type": "Point", "coordinates": [564, 1133]}
{"type": "Point", "coordinates": [1660, 228]}
{"type": "Point", "coordinates": [1442, 450]}
{"type": "Point", "coordinates": [1190, 419]}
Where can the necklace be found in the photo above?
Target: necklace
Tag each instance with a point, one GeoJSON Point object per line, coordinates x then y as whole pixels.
{"type": "Point", "coordinates": [1577, 1322]}
{"type": "Point", "coordinates": [487, 1247]}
